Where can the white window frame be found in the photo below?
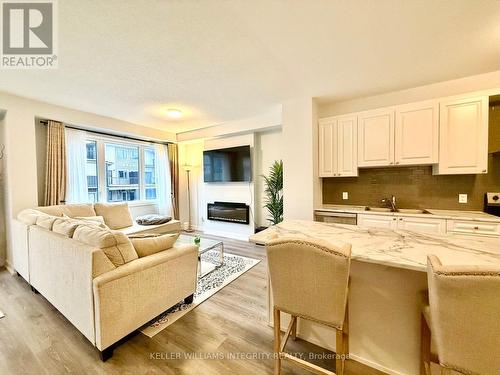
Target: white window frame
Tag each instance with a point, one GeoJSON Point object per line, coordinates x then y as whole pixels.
{"type": "Point", "coordinates": [101, 141]}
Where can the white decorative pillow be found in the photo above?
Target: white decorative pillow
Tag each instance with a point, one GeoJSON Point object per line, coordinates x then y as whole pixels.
{"type": "Point", "coordinates": [65, 226]}
{"type": "Point", "coordinates": [145, 246]}
{"type": "Point", "coordinates": [95, 220]}
{"type": "Point", "coordinates": [29, 216]}
{"type": "Point", "coordinates": [46, 221]}
{"type": "Point", "coordinates": [116, 215]}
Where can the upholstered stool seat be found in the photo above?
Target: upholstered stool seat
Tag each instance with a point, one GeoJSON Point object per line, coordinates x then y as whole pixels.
{"type": "Point", "coordinates": [309, 280]}
{"type": "Point", "coordinates": [462, 319]}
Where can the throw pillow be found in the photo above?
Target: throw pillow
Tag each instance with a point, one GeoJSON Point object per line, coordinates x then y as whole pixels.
{"type": "Point", "coordinates": [116, 215]}
{"type": "Point", "coordinates": [145, 246]}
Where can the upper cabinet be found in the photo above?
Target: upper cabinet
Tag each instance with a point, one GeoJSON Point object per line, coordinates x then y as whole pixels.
{"type": "Point", "coordinates": [337, 147]}
{"type": "Point", "coordinates": [463, 136]}
{"type": "Point", "coordinates": [327, 140]}
{"type": "Point", "coordinates": [417, 133]}
{"type": "Point", "coordinates": [376, 138]}
{"type": "Point", "coordinates": [449, 133]}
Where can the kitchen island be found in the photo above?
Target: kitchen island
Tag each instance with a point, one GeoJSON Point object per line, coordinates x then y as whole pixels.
{"type": "Point", "coordinates": [388, 278]}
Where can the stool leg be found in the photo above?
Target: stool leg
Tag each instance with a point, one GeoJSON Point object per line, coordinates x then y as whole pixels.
{"type": "Point", "coordinates": [277, 341]}
{"type": "Point", "coordinates": [425, 347]}
{"type": "Point", "coordinates": [294, 329]}
{"type": "Point", "coordinates": [340, 355]}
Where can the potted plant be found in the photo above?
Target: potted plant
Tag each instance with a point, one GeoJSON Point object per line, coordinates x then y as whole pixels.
{"type": "Point", "coordinates": [274, 193]}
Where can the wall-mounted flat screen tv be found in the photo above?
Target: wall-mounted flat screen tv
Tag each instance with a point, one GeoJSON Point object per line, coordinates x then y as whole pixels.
{"type": "Point", "coordinates": [227, 165]}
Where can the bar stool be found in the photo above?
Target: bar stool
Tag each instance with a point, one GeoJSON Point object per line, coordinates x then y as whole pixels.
{"type": "Point", "coordinates": [309, 280]}
{"type": "Point", "coordinates": [462, 319]}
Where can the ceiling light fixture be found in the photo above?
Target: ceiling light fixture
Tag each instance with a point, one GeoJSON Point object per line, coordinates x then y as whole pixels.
{"type": "Point", "coordinates": [174, 113]}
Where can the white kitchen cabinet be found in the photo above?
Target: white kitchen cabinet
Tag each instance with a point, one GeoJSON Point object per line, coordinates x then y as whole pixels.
{"type": "Point", "coordinates": [347, 146]}
{"type": "Point", "coordinates": [376, 138]}
{"type": "Point", "coordinates": [415, 224]}
{"type": "Point", "coordinates": [473, 227]}
{"type": "Point", "coordinates": [463, 136]}
{"type": "Point", "coordinates": [417, 133]}
{"type": "Point", "coordinates": [338, 147]}
{"type": "Point", "coordinates": [423, 225]}
{"type": "Point", "coordinates": [377, 221]}
{"type": "Point", "coordinates": [327, 140]}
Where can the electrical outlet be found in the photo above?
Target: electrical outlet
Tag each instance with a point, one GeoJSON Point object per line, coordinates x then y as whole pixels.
{"type": "Point", "coordinates": [345, 195]}
{"type": "Point", "coordinates": [462, 198]}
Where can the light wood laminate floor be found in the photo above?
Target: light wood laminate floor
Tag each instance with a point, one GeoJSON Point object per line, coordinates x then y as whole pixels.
{"type": "Point", "coordinates": [36, 339]}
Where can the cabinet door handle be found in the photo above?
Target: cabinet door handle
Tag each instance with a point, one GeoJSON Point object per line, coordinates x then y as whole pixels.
{"type": "Point", "coordinates": [476, 228]}
{"type": "Point", "coordinates": [484, 170]}
{"type": "Point", "coordinates": [397, 162]}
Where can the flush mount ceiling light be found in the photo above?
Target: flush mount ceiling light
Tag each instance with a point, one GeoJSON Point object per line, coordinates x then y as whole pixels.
{"type": "Point", "coordinates": [174, 113]}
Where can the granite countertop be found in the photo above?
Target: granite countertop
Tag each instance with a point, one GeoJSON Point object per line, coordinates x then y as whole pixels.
{"type": "Point", "coordinates": [401, 249]}
{"type": "Point", "coordinates": [433, 213]}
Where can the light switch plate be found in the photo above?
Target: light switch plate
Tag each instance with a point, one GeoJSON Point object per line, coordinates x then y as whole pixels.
{"type": "Point", "coordinates": [462, 198]}
{"type": "Point", "coordinates": [345, 195]}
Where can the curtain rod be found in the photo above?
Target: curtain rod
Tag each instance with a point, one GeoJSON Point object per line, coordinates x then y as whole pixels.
{"type": "Point", "coordinates": [45, 122]}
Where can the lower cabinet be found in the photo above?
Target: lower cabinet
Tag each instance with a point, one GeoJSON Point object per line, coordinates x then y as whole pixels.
{"type": "Point", "coordinates": [415, 224]}
{"type": "Point", "coordinates": [424, 225]}
{"type": "Point", "coordinates": [473, 227]}
{"type": "Point", "coordinates": [377, 221]}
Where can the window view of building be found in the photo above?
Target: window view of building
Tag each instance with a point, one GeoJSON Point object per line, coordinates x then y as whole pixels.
{"type": "Point", "coordinates": [91, 171]}
{"type": "Point", "coordinates": [149, 173]}
{"type": "Point", "coordinates": [122, 173]}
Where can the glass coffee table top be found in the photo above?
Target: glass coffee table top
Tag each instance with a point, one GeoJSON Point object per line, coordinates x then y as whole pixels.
{"type": "Point", "coordinates": [204, 267]}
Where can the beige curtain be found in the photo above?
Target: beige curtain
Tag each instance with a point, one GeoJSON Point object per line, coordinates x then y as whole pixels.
{"type": "Point", "coordinates": [55, 174]}
{"type": "Point", "coordinates": [174, 171]}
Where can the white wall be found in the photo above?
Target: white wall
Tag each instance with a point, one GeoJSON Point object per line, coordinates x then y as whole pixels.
{"type": "Point", "coordinates": [447, 88]}
{"type": "Point", "coordinates": [21, 152]}
{"type": "Point", "coordinates": [301, 184]}
{"type": "Point", "coordinates": [268, 148]}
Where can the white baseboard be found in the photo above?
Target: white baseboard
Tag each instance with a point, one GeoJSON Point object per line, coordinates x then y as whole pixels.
{"type": "Point", "coordinates": [9, 267]}
{"type": "Point", "coordinates": [235, 236]}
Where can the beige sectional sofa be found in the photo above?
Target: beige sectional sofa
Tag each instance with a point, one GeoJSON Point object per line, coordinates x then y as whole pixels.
{"type": "Point", "coordinates": [93, 275]}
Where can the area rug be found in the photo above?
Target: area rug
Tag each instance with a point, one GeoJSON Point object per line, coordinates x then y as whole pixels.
{"type": "Point", "coordinates": [234, 266]}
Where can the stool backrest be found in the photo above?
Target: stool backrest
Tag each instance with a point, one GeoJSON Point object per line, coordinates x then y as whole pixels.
{"type": "Point", "coordinates": [465, 316]}
{"type": "Point", "coordinates": [309, 278]}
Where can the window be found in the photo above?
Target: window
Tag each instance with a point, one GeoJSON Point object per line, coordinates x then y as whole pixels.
{"type": "Point", "coordinates": [122, 171]}
{"type": "Point", "coordinates": [91, 171]}
{"type": "Point", "coordinates": [125, 171]}
{"type": "Point", "coordinates": [149, 173]}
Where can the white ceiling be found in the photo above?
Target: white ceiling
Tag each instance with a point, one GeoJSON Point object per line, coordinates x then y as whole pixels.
{"type": "Point", "coordinates": [225, 60]}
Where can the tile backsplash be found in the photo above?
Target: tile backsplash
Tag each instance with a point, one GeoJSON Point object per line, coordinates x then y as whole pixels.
{"type": "Point", "coordinates": [414, 187]}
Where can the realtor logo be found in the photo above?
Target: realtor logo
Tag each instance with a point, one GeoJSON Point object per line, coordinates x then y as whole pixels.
{"type": "Point", "coordinates": [28, 34]}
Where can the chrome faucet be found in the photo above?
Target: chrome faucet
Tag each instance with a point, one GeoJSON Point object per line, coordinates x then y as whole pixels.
{"type": "Point", "coordinates": [390, 202]}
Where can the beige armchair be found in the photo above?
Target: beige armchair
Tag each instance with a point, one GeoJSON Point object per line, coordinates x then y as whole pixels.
{"type": "Point", "coordinates": [464, 318]}
{"type": "Point", "coordinates": [309, 280]}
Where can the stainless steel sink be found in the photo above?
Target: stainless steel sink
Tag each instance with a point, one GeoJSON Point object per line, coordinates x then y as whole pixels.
{"type": "Point", "coordinates": [378, 209]}
{"type": "Point", "coordinates": [399, 210]}
{"type": "Point", "coordinates": [412, 211]}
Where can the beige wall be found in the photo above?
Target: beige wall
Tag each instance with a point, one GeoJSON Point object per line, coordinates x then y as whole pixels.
{"type": "Point", "coordinates": [21, 145]}
{"type": "Point", "coordinates": [3, 241]}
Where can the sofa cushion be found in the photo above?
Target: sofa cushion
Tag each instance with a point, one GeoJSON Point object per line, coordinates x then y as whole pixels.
{"type": "Point", "coordinates": [29, 216]}
{"type": "Point", "coordinates": [150, 244]}
{"type": "Point", "coordinates": [116, 215]}
{"type": "Point", "coordinates": [70, 210]}
{"type": "Point", "coordinates": [46, 221]}
{"type": "Point", "coordinates": [65, 226]}
{"type": "Point", "coordinates": [95, 220]}
{"type": "Point", "coordinates": [116, 245]}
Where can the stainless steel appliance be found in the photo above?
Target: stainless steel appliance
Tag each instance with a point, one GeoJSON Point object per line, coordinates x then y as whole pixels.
{"type": "Point", "coordinates": [492, 203]}
{"type": "Point", "coordinates": [335, 217]}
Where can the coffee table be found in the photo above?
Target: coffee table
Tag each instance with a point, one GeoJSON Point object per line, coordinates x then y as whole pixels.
{"type": "Point", "coordinates": [205, 245]}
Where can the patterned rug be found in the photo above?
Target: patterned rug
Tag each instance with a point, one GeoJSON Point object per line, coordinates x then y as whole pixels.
{"type": "Point", "coordinates": [234, 266]}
